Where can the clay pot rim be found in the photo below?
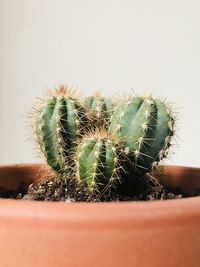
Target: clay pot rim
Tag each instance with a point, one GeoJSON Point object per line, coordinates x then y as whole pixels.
{"type": "Point", "coordinates": [114, 215]}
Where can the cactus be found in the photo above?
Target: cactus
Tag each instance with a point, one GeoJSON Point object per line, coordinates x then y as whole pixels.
{"type": "Point", "coordinates": [99, 162]}
{"type": "Point", "coordinates": [59, 125]}
{"type": "Point", "coordinates": [125, 141]}
{"type": "Point", "coordinates": [146, 127]}
{"type": "Point", "coordinates": [98, 109]}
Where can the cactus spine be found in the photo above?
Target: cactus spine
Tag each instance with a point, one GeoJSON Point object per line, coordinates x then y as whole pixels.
{"type": "Point", "coordinates": [99, 160]}
{"type": "Point", "coordinates": [146, 127]}
{"type": "Point", "coordinates": [59, 123]}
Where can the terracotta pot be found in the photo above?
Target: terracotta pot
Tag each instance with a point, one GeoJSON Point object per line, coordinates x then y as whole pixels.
{"type": "Point", "coordinates": [154, 233]}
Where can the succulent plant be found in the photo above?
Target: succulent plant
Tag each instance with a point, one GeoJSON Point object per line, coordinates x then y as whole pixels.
{"type": "Point", "coordinates": [100, 144]}
{"type": "Point", "coordinates": [146, 126]}
{"type": "Point", "coordinates": [100, 160]}
{"type": "Point", "coordinates": [60, 123]}
{"type": "Point", "coordinates": [98, 109]}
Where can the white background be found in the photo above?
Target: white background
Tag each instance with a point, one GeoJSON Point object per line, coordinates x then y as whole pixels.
{"type": "Point", "coordinates": [109, 45]}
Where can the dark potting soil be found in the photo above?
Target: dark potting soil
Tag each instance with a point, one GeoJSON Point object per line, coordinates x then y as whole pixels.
{"type": "Point", "coordinates": [53, 189]}
{"type": "Point", "coordinates": [5, 193]}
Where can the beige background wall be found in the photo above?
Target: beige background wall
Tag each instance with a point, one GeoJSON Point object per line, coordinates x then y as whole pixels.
{"type": "Point", "coordinates": [105, 44]}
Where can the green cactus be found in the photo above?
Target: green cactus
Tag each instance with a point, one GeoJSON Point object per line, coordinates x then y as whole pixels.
{"type": "Point", "coordinates": [59, 125]}
{"type": "Point", "coordinates": [126, 140]}
{"type": "Point", "coordinates": [98, 109]}
{"type": "Point", "coordinates": [100, 161]}
{"type": "Point", "coordinates": [146, 127]}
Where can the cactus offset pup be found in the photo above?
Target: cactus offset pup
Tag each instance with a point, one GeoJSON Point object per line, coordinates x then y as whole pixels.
{"type": "Point", "coordinates": [98, 109]}
{"type": "Point", "coordinates": [100, 160]}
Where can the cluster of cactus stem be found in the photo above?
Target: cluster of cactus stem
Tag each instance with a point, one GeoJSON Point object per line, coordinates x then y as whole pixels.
{"type": "Point", "coordinates": [100, 143]}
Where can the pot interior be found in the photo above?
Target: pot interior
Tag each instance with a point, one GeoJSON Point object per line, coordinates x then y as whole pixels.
{"type": "Point", "coordinates": [17, 177]}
